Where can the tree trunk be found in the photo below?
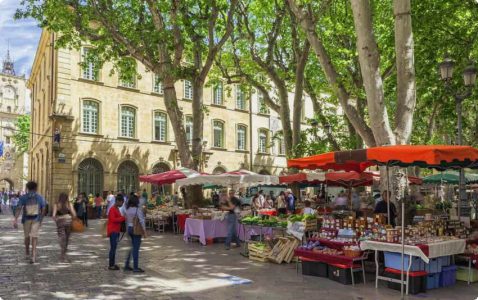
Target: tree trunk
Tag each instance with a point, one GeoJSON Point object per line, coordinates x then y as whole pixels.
{"type": "Point", "coordinates": [308, 25]}
{"type": "Point", "coordinates": [404, 52]}
{"type": "Point", "coordinates": [176, 118]}
{"type": "Point", "coordinates": [299, 93]}
{"type": "Point", "coordinates": [369, 59]}
{"type": "Point", "coordinates": [285, 117]}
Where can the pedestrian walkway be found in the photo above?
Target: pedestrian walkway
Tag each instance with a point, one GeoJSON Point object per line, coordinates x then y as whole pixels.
{"type": "Point", "coordinates": [174, 270]}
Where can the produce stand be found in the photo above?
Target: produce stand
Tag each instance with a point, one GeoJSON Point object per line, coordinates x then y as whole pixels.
{"type": "Point", "coordinates": [424, 251]}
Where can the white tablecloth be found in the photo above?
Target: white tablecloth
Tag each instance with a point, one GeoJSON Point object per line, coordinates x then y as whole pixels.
{"type": "Point", "coordinates": [435, 249]}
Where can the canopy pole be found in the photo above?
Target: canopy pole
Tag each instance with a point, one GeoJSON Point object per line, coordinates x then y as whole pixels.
{"type": "Point", "coordinates": [388, 196]}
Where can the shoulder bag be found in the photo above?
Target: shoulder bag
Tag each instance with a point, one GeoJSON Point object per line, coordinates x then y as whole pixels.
{"type": "Point", "coordinates": [137, 227]}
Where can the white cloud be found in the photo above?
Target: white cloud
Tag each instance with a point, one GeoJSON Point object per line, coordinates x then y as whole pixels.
{"type": "Point", "coordinates": [21, 35]}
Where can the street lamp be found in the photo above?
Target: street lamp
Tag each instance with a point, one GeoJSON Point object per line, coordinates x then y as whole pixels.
{"type": "Point", "coordinates": [469, 79]}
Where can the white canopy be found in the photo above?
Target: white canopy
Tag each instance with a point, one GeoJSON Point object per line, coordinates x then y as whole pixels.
{"type": "Point", "coordinates": [235, 178]}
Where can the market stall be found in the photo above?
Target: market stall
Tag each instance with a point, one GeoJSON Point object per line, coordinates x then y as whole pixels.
{"type": "Point", "coordinates": [439, 157]}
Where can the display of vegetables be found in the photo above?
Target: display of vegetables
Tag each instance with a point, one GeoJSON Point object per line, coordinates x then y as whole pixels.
{"type": "Point", "coordinates": [250, 220]}
{"type": "Point", "coordinates": [301, 218]}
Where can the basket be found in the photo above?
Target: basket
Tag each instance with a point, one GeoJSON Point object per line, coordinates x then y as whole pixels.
{"type": "Point", "coordinates": [352, 253]}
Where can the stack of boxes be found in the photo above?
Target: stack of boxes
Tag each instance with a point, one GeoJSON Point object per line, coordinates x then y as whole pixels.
{"type": "Point", "coordinates": [437, 273]}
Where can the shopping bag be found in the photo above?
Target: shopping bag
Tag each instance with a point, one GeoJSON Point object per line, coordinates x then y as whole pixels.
{"type": "Point", "coordinates": [104, 229]}
{"type": "Point", "coordinates": [77, 225]}
{"type": "Point", "coordinates": [137, 227]}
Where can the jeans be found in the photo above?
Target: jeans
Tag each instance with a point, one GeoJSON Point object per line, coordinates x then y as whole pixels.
{"type": "Point", "coordinates": [114, 238]}
{"type": "Point", "coordinates": [231, 230]}
{"type": "Point", "coordinates": [135, 245]}
{"type": "Point", "coordinates": [98, 212]}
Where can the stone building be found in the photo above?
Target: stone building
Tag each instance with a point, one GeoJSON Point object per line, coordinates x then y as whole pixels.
{"type": "Point", "coordinates": [12, 105]}
{"type": "Point", "coordinates": [112, 131]}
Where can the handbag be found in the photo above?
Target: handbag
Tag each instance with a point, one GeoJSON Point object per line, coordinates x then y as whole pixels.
{"type": "Point", "coordinates": [123, 227]}
{"type": "Point", "coordinates": [137, 227]}
{"type": "Point", "coordinates": [77, 225]}
{"type": "Point", "coordinates": [104, 229]}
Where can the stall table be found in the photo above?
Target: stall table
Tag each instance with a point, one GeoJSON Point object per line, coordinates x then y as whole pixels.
{"type": "Point", "coordinates": [334, 259]}
{"type": "Point", "coordinates": [425, 252]}
{"type": "Point", "coordinates": [204, 229]}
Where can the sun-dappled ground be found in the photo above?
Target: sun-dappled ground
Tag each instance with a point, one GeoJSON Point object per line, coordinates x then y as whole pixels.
{"type": "Point", "coordinates": [174, 270]}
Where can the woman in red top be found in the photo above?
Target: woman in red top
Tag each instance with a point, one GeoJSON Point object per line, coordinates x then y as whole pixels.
{"type": "Point", "coordinates": [114, 228]}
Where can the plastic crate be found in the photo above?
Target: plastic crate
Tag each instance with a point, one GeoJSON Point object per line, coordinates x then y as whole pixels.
{"type": "Point", "coordinates": [445, 261]}
{"type": "Point", "coordinates": [417, 280]}
{"type": "Point", "coordinates": [394, 261]}
{"type": "Point", "coordinates": [433, 281]}
{"type": "Point", "coordinates": [434, 266]}
{"type": "Point", "coordinates": [314, 268]}
{"type": "Point", "coordinates": [341, 273]}
{"type": "Point", "coordinates": [462, 274]}
{"type": "Point", "coordinates": [448, 276]}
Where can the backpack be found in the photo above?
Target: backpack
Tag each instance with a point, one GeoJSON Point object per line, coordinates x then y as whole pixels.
{"type": "Point", "coordinates": [31, 206]}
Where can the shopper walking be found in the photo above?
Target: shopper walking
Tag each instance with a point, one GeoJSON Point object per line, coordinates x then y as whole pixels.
{"type": "Point", "coordinates": [233, 206]}
{"type": "Point", "coordinates": [81, 208]}
{"type": "Point", "coordinates": [115, 219]}
{"type": "Point", "coordinates": [14, 202]}
{"type": "Point", "coordinates": [99, 205]}
{"type": "Point", "coordinates": [290, 201]}
{"type": "Point", "coordinates": [281, 204]}
{"type": "Point", "coordinates": [63, 212]}
{"type": "Point", "coordinates": [133, 211]}
{"type": "Point", "coordinates": [32, 206]}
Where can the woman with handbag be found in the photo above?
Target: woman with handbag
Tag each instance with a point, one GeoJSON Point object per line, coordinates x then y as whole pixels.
{"type": "Point", "coordinates": [136, 228]}
{"type": "Point", "coordinates": [113, 229]}
{"type": "Point", "coordinates": [63, 213]}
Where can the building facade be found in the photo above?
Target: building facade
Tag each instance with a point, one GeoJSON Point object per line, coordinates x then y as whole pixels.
{"type": "Point", "coordinates": [12, 105]}
{"type": "Point", "coordinates": [110, 131]}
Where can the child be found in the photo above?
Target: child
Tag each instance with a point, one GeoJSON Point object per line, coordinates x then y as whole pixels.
{"type": "Point", "coordinates": [114, 228]}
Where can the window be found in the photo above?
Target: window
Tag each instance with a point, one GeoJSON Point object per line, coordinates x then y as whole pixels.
{"type": "Point", "coordinates": [128, 175]}
{"type": "Point", "coordinates": [8, 140]}
{"type": "Point", "coordinates": [218, 128]}
{"type": "Point", "coordinates": [9, 109]}
{"type": "Point", "coordinates": [263, 134]}
{"type": "Point", "coordinates": [241, 137]}
{"type": "Point", "coordinates": [89, 70]}
{"type": "Point", "coordinates": [240, 98]}
{"type": "Point", "coordinates": [160, 126]}
{"type": "Point", "coordinates": [128, 80]}
{"type": "Point", "coordinates": [157, 85]}
{"type": "Point", "coordinates": [90, 177]}
{"type": "Point", "coordinates": [263, 109]}
{"type": "Point", "coordinates": [188, 90]}
{"type": "Point", "coordinates": [218, 94]}
{"type": "Point", "coordinates": [189, 129]}
{"type": "Point", "coordinates": [90, 116]}
{"type": "Point", "coordinates": [128, 120]}
{"type": "Point", "coordinates": [281, 146]}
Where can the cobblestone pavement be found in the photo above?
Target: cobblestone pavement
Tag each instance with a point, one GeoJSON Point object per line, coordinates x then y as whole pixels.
{"type": "Point", "coordinates": [174, 270]}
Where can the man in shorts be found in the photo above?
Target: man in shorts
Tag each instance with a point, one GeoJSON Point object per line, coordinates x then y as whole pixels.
{"type": "Point", "coordinates": [32, 206]}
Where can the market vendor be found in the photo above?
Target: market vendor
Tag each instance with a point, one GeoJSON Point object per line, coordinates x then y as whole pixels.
{"type": "Point", "coordinates": [308, 210]}
{"type": "Point", "coordinates": [382, 207]}
{"type": "Point", "coordinates": [341, 201]}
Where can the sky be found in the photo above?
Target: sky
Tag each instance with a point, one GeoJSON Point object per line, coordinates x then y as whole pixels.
{"type": "Point", "coordinates": [21, 35]}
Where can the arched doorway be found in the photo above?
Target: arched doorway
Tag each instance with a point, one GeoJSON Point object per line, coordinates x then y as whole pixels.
{"type": "Point", "coordinates": [218, 170]}
{"type": "Point", "coordinates": [264, 172]}
{"type": "Point", "coordinates": [161, 168]}
{"type": "Point", "coordinates": [128, 174]}
{"type": "Point", "coordinates": [6, 184]}
{"type": "Point", "coordinates": [90, 177]}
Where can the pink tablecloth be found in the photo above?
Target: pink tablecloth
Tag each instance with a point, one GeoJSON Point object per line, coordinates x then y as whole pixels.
{"type": "Point", "coordinates": [204, 229]}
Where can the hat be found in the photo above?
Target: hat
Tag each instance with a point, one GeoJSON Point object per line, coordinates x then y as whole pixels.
{"type": "Point", "coordinates": [288, 191]}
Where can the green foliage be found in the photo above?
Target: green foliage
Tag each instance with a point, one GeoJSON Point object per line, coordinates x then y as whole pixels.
{"type": "Point", "coordinates": [21, 137]}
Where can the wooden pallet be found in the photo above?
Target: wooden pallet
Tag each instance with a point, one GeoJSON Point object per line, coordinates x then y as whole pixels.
{"type": "Point", "coordinates": [283, 251]}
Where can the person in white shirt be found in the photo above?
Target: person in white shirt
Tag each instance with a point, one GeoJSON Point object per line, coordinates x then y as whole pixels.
{"type": "Point", "coordinates": [308, 210]}
{"type": "Point", "coordinates": [262, 199]}
{"type": "Point", "coordinates": [110, 201]}
{"type": "Point", "coordinates": [341, 201]}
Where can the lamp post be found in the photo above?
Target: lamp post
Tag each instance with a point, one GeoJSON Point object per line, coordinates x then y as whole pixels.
{"type": "Point", "coordinates": [469, 79]}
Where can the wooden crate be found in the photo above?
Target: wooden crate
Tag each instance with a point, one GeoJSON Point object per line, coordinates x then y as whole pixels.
{"type": "Point", "coordinates": [310, 225]}
{"type": "Point", "coordinates": [283, 251]}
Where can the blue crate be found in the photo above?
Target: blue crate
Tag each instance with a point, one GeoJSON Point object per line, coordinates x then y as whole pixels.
{"type": "Point", "coordinates": [434, 266]}
{"type": "Point", "coordinates": [448, 276]}
{"type": "Point", "coordinates": [394, 260]}
{"type": "Point", "coordinates": [433, 281]}
{"type": "Point", "coordinates": [445, 261]}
